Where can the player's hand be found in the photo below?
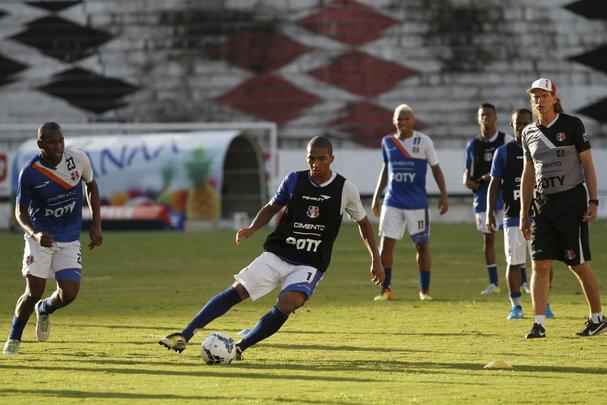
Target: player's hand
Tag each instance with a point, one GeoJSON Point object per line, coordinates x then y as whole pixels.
{"type": "Point", "coordinates": [377, 272]}
{"type": "Point", "coordinates": [443, 204]}
{"type": "Point", "coordinates": [525, 227]}
{"type": "Point", "coordinates": [96, 237]}
{"type": "Point", "coordinates": [45, 239]}
{"type": "Point", "coordinates": [490, 222]}
{"type": "Point", "coordinates": [591, 213]}
{"type": "Point", "coordinates": [376, 208]}
{"type": "Point", "coordinates": [243, 233]}
{"type": "Point", "coordinates": [473, 185]}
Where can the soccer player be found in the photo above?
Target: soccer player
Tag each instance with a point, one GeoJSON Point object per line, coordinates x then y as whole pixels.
{"type": "Point", "coordinates": [49, 210]}
{"type": "Point", "coordinates": [406, 155]}
{"type": "Point", "coordinates": [506, 172]}
{"type": "Point", "coordinates": [479, 154]}
{"type": "Point", "coordinates": [557, 155]}
{"type": "Point", "coordinates": [298, 252]}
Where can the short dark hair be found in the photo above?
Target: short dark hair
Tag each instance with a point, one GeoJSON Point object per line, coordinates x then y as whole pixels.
{"type": "Point", "coordinates": [487, 105]}
{"type": "Point", "coordinates": [321, 142]}
{"type": "Point", "coordinates": [522, 111]}
{"type": "Point", "coordinates": [48, 127]}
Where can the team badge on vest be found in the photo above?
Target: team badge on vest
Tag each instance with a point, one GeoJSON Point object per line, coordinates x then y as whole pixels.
{"type": "Point", "coordinates": [561, 136]}
{"type": "Point", "coordinates": [313, 211]}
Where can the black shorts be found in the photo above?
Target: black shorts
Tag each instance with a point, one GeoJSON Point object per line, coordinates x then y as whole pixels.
{"type": "Point", "coordinates": [558, 231]}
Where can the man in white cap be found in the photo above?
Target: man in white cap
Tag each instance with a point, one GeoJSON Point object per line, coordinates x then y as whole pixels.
{"type": "Point", "coordinates": [557, 154]}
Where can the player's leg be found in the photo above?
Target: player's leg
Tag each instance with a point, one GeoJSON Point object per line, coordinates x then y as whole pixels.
{"type": "Point", "coordinates": [515, 250]}
{"type": "Point", "coordinates": [540, 282]}
{"type": "Point", "coordinates": [391, 229]}
{"type": "Point", "coordinates": [418, 226]}
{"type": "Point", "coordinates": [34, 288]}
{"type": "Point", "coordinates": [513, 275]}
{"type": "Point", "coordinates": [488, 238]}
{"type": "Point", "coordinates": [298, 286]}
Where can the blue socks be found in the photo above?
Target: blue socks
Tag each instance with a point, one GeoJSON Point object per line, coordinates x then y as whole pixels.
{"type": "Point", "coordinates": [424, 281]}
{"type": "Point", "coordinates": [388, 278]}
{"type": "Point", "coordinates": [214, 308]}
{"type": "Point", "coordinates": [46, 306]}
{"type": "Point", "coordinates": [492, 270]}
{"type": "Point", "coordinates": [268, 325]}
{"type": "Point", "coordinates": [17, 326]}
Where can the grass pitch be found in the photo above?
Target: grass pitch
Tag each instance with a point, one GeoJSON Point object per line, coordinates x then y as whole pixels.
{"type": "Point", "coordinates": [341, 348]}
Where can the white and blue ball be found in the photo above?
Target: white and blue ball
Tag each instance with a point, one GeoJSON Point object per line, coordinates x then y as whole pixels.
{"type": "Point", "coordinates": [218, 348]}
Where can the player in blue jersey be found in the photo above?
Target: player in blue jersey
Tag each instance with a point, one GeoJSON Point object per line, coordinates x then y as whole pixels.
{"type": "Point", "coordinates": [49, 210]}
{"type": "Point", "coordinates": [506, 172]}
{"type": "Point", "coordinates": [296, 254]}
{"type": "Point", "coordinates": [406, 155]}
{"type": "Point", "coordinates": [479, 154]}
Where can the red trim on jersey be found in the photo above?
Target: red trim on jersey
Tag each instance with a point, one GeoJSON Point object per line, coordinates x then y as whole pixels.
{"type": "Point", "coordinates": [400, 147]}
{"type": "Point", "coordinates": [52, 176]}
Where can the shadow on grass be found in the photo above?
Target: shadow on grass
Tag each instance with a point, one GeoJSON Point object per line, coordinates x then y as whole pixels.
{"type": "Point", "coordinates": [126, 395]}
{"type": "Point", "coordinates": [220, 372]}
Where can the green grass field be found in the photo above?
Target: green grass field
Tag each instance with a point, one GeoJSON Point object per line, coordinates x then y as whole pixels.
{"type": "Point", "coordinates": [341, 348]}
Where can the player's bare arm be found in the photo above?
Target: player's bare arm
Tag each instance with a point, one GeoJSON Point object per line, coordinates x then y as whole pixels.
{"type": "Point", "coordinates": [376, 273]}
{"type": "Point", "coordinates": [94, 202]}
{"type": "Point", "coordinates": [527, 180]}
{"type": "Point", "coordinates": [264, 215]}
{"type": "Point", "coordinates": [379, 187]}
{"type": "Point", "coordinates": [591, 184]}
{"type": "Point", "coordinates": [25, 222]}
{"type": "Point", "coordinates": [439, 177]}
{"type": "Point", "coordinates": [491, 202]}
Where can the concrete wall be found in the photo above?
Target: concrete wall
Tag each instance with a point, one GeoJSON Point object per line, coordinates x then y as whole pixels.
{"type": "Point", "coordinates": [313, 66]}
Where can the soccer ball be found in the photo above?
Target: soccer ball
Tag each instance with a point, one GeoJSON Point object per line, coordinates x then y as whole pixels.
{"type": "Point", "coordinates": [218, 348]}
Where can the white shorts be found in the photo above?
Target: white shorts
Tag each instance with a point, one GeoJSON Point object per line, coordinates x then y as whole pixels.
{"type": "Point", "coordinates": [269, 271]}
{"type": "Point", "coordinates": [394, 221]}
{"type": "Point", "coordinates": [480, 218]}
{"type": "Point", "coordinates": [62, 261]}
{"type": "Point", "coordinates": [515, 246]}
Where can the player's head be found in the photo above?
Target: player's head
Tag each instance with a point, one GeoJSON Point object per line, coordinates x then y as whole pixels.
{"type": "Point", "coordinates": [520, 119]}
{"type": "Point", "coordinates": [404, 118]}
{"type": "Point", "coordinates": [487, 118]}
{"type": "Point", "coordinates": [543, 97]}
{"type": "Point", "coordinates": [319, 157]}
{"type": "Point", "coordinates": [50, 142]}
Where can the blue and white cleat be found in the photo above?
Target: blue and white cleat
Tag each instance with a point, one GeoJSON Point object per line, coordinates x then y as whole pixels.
{"type": "Point", "coordinates": [515, 313]}
{"type": "Point", "coordinates": [43, 324]}
{"type": "Point", "coordinates": [491, 289]}
{"type": "Point", "coordinates": [11, 347]}
{"type": "Point", "coordinates": [548, 312]}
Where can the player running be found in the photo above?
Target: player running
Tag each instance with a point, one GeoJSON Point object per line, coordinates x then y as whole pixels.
{"type": "Point", "coordinates": [49, 210]}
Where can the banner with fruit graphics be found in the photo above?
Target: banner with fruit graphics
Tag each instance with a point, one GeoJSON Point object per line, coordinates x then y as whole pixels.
{"type": "Point", "coordinates": [181, 171]}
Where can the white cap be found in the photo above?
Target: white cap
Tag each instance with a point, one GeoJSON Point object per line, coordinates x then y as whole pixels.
{"type": "Point", "coordinates": [543, 84]}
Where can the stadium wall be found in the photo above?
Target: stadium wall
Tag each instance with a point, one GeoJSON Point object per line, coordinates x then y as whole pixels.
{"type": "Point", "coordinates": [336, 68]}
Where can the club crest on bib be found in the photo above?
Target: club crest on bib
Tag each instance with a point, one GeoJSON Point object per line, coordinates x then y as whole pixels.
{"type": "Point", "coordinates": [313, 211]}
{"type": "Point", "coordinates": [570, 254]}
{"type": "Point", "coordinates": [561, 136]}
{"type": "Point", "coordinates": [29, 260]}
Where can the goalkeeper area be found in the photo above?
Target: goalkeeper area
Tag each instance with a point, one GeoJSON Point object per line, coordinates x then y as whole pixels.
{"type": "Point", "coordinates": [341, 348]}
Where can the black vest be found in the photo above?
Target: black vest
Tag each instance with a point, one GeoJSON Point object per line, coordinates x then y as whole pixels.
{"type": "Point", "coordinates": [483, 155]}
{"type": "Point", "coordinates": [308, 228]}
{"type": "Point", "coordinates": [511, 180]}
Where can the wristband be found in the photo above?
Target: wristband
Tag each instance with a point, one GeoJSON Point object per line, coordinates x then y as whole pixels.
{"type": "Point", "coordinates": [595, 202]}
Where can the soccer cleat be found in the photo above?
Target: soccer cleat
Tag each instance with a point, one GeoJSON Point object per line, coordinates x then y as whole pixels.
{"type": "Point", "coordinates": [11, 347]}
{"type": "Point", "coordinates": [491, 289]}
{"type": "Point", "coordinates": [515, 313]}
{"type": "Point", "coordinates": [174, 341]}
{"type": "Point", "coordinates": [592, 329]}
{"type": "Point", "coordinates": [238, 353]}
{"type": "Point", "coordinates": [424, 297]}
{"type": "Point", "coordinates": [386, 295]}
{"type": "Point", "coordinates": [525, 288]}
{"type": "Point", "coordinates": [537, 331]}
{"type": "Point", "coordinates": [548, 312]}
{"type": "Point", "coordinates": [43, 324]}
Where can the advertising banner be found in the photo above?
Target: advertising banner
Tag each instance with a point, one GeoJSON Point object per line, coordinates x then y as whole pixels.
{"type": "Point", "coordinates": [182, 172]}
